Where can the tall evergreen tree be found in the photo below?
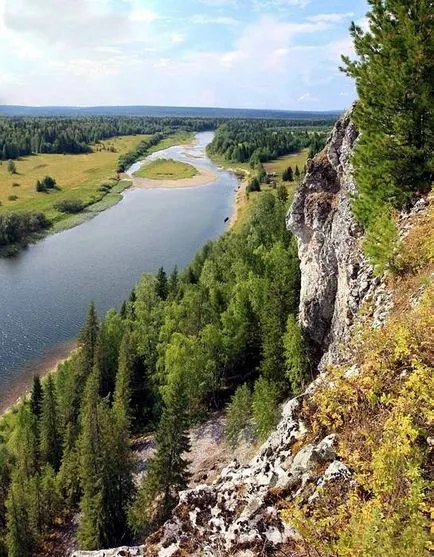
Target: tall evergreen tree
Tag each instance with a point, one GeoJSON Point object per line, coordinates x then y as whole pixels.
{"type": "Point", "coordinates": [19, 537]}
{"type": "Point", "coordinates": [162, 286]}
{"type": "Point", "coordinates": [393, 74]}
{"type": "Point", "coordinates": [50, 439]}
{"type": "Point", "coordinates": [36, 396]}
{"type": "Point", "coordinates": [88, 340]}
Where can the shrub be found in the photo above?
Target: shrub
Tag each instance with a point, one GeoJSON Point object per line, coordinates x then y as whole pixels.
{"type": "Point", "coordinates": [70, 206]}
{"type": "Point", "coordinates": [12, 197]}
{"type": "Point", "coordinates": [254, 185]}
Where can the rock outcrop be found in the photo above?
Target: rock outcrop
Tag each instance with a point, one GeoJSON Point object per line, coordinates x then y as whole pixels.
{"type": "Point", "coordinates": [335, 276]}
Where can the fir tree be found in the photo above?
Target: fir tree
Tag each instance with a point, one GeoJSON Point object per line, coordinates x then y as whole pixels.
{"type": "Point", "coordinates": [287, 175]}
{"type": "Point", "coordinates": [167, 470]}
{"type": "Point", "coordinates": [36, 396]}
{"type": "Point", "coordinates": [393, 75]}
{"type": "Point", "coordinates": [88, 341]}
{"type": "Point", "coordinates": [50, 440]}
{"type": "Point", "coordinates": [19, 537]}
{"type": "Point", "coordinates": [162, 284]}
{"type": "Point", "coordinates": [265, 406]}
{"type": "Point", "coordinates": [238, 414]}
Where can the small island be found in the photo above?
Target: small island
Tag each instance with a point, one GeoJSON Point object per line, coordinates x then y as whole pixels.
{"type": "Point", "coordinates": [169, 173]}
{"type": "Point", "coordinates": [166, 169]}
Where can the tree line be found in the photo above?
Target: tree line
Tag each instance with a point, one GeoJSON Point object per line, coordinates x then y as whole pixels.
{"type": "Point", "coordinates": [180, 346]}
{"type": "Point", "coordinates": [20, 136]}
{"type": "Point", "coordinates": [256, 141]}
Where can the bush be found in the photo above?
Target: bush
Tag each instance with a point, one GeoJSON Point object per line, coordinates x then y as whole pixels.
{"type": "Point", "coordinates": [14, 227]}
{"type": "Point", "coordinates": [12, 197]}
{"type": "Point", "coordinates": [70, 206]}
{"type": "Point", "coordinates": [254, 185]}
{"type": "Point", "coordinates": [47, 183]}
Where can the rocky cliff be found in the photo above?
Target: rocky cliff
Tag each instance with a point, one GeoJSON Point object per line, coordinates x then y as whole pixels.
{"type": "Point", "coordinates": [335, 277]}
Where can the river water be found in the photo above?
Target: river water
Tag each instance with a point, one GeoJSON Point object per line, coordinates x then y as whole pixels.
{"type": "Point", "coordinates": [45, 290]}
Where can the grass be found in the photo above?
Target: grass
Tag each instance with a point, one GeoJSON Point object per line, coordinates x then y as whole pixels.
{"type": "Point", "coordinates": [166, 169]}
{"type": "Point", "coordinates": [77, 176]}
{"type": "Point", "coordinates": [247, 201]}
{"type": "Point", "coordinates": [178, 138]}
{"type": "Point", "coordinates": [280, 164]}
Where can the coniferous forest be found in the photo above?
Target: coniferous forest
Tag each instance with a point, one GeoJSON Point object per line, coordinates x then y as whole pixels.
{"type": "Point", "coordinates": [180, 347]}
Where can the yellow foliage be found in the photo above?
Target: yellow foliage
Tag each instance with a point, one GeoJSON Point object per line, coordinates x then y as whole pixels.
{"type": "Point", "coordinates": [382, 416]}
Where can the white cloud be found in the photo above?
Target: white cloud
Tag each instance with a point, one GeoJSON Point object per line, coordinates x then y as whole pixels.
{"type": "Point", "coordinates": [331, 18]}
{"type": "Point", "coordinates": [219, 20]}
{"type": "Point", "coordinates": [141, 14]}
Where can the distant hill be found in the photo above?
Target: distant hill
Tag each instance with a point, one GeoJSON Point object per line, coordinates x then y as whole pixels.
{"type": "Point", "coordinates": [157, 111]}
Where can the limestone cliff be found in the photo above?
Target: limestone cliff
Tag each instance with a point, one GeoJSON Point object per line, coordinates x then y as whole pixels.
{"type": "Point", "coordinates": [335, 276]}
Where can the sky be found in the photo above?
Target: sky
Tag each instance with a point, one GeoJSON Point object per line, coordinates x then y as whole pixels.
{"type": "Point", "coordinates": [276, 54]}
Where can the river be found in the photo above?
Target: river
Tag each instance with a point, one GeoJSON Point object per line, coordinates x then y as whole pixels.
{"type": "Point", "coordinates": [45, 290]}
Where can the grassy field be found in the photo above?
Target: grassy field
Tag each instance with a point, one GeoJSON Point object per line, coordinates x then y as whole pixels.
{"type": "Point", "coordinates": [77, 176]}
{"type": "Point", "coordinates": [280, 164]}
{"type": "Point", "coordinates": [247, 201]}
{"type": "Point", "coordinates": [166, 169]}
{"type": "Point", "coordinates": [179, 138]}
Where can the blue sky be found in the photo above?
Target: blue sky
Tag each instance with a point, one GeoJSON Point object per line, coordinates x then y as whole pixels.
{"type": "Point", "coordinates": [281, 54]}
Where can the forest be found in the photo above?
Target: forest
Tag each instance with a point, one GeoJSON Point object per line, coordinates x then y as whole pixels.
{"type": "Point", "coordinates": [221, 332]}
{"type": "Point", "coordinates": [256, 142]}
{"type": "Point", "coordinates": [21, 136]}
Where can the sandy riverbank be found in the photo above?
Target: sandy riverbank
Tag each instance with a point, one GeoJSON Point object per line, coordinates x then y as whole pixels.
{"type": "Point", "coordinates": [46, 365]}
{"type": "Point", "coordinates": [202, 177]}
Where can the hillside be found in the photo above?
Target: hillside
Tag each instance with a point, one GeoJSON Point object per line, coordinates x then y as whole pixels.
{"type": "Point", "coordinates": [346, 472]}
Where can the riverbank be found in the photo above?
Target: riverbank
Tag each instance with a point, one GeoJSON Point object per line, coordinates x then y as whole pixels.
{"type": "Point", "coordinates": [21, 390]}
{"type": "Point", "coordinates": [202, 177]}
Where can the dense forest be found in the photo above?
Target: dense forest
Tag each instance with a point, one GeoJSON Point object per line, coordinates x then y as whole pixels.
{"type": "Point", "coordinates": [32, 135]}
{"type": "Point", "coordinates": [180, 346]}
{"type": "Point", "coordinates": [25, 136]}
{"type": "Point", "coordinates": [255, 141]}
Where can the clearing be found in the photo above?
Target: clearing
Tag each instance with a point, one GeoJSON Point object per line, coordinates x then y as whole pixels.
{"type": "Point", "coordinates": [77, 177]}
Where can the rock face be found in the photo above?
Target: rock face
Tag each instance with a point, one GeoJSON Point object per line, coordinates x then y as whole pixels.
{"type": "Point", "coordinates": [336, 278]}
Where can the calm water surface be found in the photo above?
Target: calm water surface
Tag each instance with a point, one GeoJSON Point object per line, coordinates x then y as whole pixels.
{"type": "Point", "coordinates": [44, 292]}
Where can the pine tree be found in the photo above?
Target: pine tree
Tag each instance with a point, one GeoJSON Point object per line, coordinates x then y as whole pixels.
{"type": "Point", "coordinates": [287, 175]}
{"type": "Point", "coordinates": [50, 440]}
{"type": "Point", "coordinates": [295, 355]}
{"type": "Point", "coordinates": [19, 538]}
{"type": "Point", "coordinates": [297, 173]}
{"type": "Point", "coordinates": [105, 471]}
{"type": "Point", "coordinates": [167, 470]}
{"type": "Point", "coordinates": [265, 406]}
{"type": "Point", "coordinates": [238, 414]}
{"type": "Point", "coordinates": [88, 340]}
{"type": "Point", "coordinates": [122, 396]}
{"type": "Point", "coordinates": [393, 75]}
{"type": "Point", "coordinates": [162, 287]}
{"type": "Point", "coordinates": [36, 396]}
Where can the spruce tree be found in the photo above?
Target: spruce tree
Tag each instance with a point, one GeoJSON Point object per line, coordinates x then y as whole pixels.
{"type": "Point", "coordinates": [122, 397]}
{"type": "Point", "coordinates": [287, 175]}
{"type": "Point", "coordinates": [50, 440]}
{"type": "Point", "coordinates": [88, 340]}
{"type": "Point", "coordinates": [295, 355]}
{"type": "Point", "coordinates": [393, 74]}
{"type": "Point", "coordinates": [238, 414]}
{"type": "Point", "coordinates": [265, 406]}
{"type": "Point", "coordinates": [36, 396]}
{"type": "Point", "coordinates": [167, 470]}
{"type": "Point", "coordinates": [162, 287]}
{"type": "Point", "coordinates": [19, 538]}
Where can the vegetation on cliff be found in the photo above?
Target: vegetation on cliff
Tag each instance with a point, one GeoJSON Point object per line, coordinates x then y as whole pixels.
{"type": "Point", "coordinates": [393, 74]}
